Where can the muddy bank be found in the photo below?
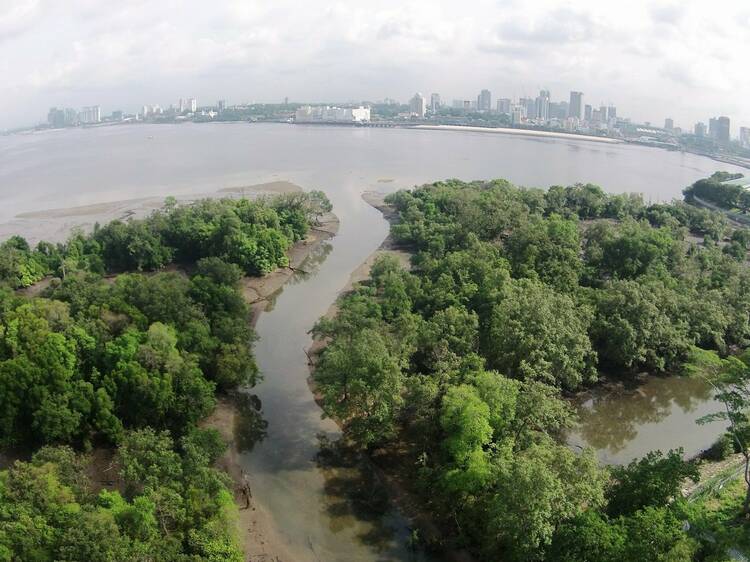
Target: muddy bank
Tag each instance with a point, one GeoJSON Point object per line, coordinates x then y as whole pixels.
{"type": "Point", "coordinates": [260, 291]}
{"type": "Point", "coordinates": [55, 225]}
{"type": "Point", "coordinates": [256, 529]}
{"type": "Point", "coordinates": [388, 464]}
{"type": "Point", "coordinates": [256, 532]}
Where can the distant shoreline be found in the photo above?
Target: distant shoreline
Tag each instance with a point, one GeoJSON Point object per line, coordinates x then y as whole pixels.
{"type": "Point", "coordinates": [519, 132]}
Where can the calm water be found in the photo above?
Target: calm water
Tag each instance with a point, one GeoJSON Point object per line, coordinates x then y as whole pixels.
{"type": "Point", "coordinates": [625, 422]}
{"type": "Point", "coordinates": [308, 494]}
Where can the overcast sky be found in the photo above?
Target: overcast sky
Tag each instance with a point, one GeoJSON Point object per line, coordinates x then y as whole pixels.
{"type": "Point", "coordinates": [652, 59]}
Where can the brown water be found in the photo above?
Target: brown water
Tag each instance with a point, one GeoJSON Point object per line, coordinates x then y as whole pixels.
{"type": "Point", "coordinates": [328, 509]}
{"type": "Point", "coordinates": [624, 422]}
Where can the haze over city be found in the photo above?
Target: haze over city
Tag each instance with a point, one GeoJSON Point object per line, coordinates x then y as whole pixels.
{"type": "Point", "coordinates": [652, 60]}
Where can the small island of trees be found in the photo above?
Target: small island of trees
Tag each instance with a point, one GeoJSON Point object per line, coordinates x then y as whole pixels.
{"type": "Point", "coordinates": [455, 372]}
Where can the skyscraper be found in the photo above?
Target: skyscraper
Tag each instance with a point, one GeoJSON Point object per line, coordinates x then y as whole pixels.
{"type": "Point", "coordinates": [418, 105]}
{"type": "Point", "coordinates": [718, 128]}
{"type": "Point", "coordinates": [542, 105]}
{"type": "Point", "coordinates": [484, 101]}
{"type": "Point", "coordinates": [699, 130]}
{"type": "Point", "coordinates": [56, 117]}
{"type": "Point", "coordinates": [575, 109]}
{"type": "Point", "coordinates": [669, 123]}
{"type": "Point", "coordinates": [503, 105]}
{"type": "Point", "coordinates": [192, 105]}
{"type": "Point", "coordinates": [745, 137]}
{"type": "Point", "coordinates": [612, 112]}
{"type": "Point", "coordinates": [587, 112]}
{"type": "Point", "coordinates": [434, 103]}
{"type": "Point", "coordinates": [603, 115]}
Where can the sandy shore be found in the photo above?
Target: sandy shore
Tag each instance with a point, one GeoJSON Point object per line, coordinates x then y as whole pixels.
{"type": "Point", "coordinates": [520, 132]}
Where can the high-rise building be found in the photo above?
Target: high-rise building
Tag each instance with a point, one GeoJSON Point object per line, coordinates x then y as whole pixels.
{"type": "Point", "coordinates": [669, 123]}
{"type": "Point", "coordinates": [528, 107]}
{"type": "Point", "coordinates": [221, 104]}
{"type": "Point", "coordinates": [92, 114]}
{"type": "Point", "coordinates": [575, 109]}
{"type": "Point", "coordinates": [516, 115]}
{"type": "Point", "coordinates": [612, 112]}
{"type": "Point", "coordinates": [71, 116]}
{"type": "Point", "coordinates": [700, 129]}
{"type": "Point", "coordinates": [484, 101]}
{"type": "Point", "coordinates": [603, 115]}
{"type": "Point", "coordinates": [542, 105]}
{"type": "Point", "coordinates": [56, 117]}
{"type": "Point", "coordinates": [418, 105]}
{"type": "Point", "coordinates": [434, 103]}
{"type": "Point", "coordinates": [503, 106]}
{"type": "Point", "coordinates": [718, 128]}
{"type": "Point", "coordinates": [745, 137]}
{"type": "Point", "coordinates": [181, 107]}
{"type": "Point", "coordinates": [192, 105]}
{"type": "Point", "coordinates": [587, 112]}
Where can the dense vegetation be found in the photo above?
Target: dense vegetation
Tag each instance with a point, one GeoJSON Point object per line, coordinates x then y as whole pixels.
{"type": "Point", "coordinates": [725, 195]}
{"type": "Point", "coordinates": [129, 365]}
{"type": "Point", "coordinates": [515, 296]}
{"type": "Point", "coordinates": [254, 235]}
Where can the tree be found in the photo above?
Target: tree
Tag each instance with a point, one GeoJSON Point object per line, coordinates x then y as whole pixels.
{"type": "Point", "coordinates": [535, 333]}
{"type": "Point", "coordinates": [536, 491]}
{"type": "Point", "coordinates": [733, 391]}
{"type": "Point", "coordinates": [361, 383]}
{"type": "Point", "coordinates": [652, 481]}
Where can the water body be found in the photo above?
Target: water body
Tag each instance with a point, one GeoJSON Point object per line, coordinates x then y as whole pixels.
{"type": "Point", "coordinates": [624, 422]}
{"type": "Point", "coordinates": [306, 492]}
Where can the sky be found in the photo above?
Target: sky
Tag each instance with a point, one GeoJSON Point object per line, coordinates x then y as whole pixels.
{"type": "Point", "coordinates": [653, 59]}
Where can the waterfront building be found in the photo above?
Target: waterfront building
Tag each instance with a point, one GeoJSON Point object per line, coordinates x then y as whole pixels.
{"type": "Point", "coordinates": [542, 106]}
{"type": "Point", "coordinates": [612, 112]}
{"type": "Point", "coordinates": [745, 137]}
{"type": "Point", "coordinates": [71, 116]}
{"type": "Point", "coordinates": [503, 105]}
{"type": "Point", "coordinates": [575, 109]}
{"type": "Point", "coordinates": [669, 123]}
{"type": "Point", "coordinates": [718, 129]}
{"type": "Point", "coordinates": [700, 129]}
{"type": "Point", "coordinates": [56, 117]}
{"type": "Point", "coordinates": [587, 112]}
{"type": "Point", "coordinates": [603, 115]}
{"type": "Point", "coordinates": [484, 101]}
{"type": "Point", "coordinates": [329, 114]}
{"type": "Point", "coordinates": [516, 115]}
{"type": "Point", "coordinates": [434, 103]}
{"type": "Point", "coordinates": [528, 107]}
{"type": "Point", "coordinates": [221, 105]}
{"type": "Point", "coordinates": [181, 106]}
{"type": "Point", "coordinates": [192, 105]}
{"type": "Point", "coordinates": [418, 105]}
{"type": "Point", "coordinates": [91, 114]}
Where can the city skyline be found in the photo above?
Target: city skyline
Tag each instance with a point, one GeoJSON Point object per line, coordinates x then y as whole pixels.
{"type": "Point", "coordinates": [654, 60]}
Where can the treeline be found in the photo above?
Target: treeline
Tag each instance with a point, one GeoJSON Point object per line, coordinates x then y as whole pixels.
{"type": "Point", "coordinates": [514, 296]}
{"type": "Point", "coordinates": [131, 364]}
{"type": "Point", "coordinates": [253, 234]}
{"type": "Point", "coordinates": [713, 189]}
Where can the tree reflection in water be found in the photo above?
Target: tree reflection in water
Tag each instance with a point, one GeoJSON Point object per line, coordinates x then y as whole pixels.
{"type": "Point", "coordinates": [613, 417]}
{"type": "Point", "coordinates": [249, 426]}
